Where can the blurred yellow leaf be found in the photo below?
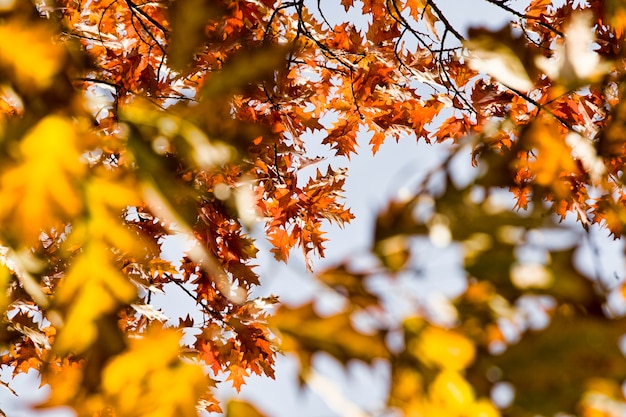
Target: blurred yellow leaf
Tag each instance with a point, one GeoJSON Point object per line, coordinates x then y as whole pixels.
{"type": "Point", "coordinates": [65, 385]}
{"type": "Point", "coordinates": [246, 66]}
{"type": "Point", "coordinates": [407, 384]}
{"type": "Point", "coordinates": [5, 279]}
{"type": "Point", "coordinates": [615, 13]}
{"type": "Point", "coordinates": [106, 200]}
{"type": "Point", "coordinates": [451, 390]}
{"type": "Point", "coordinates": [351, 285]}
{"type": "Point", "coordinates": [28, 51]}
{"type": "Point", "coordinates": [189, 20]}
{"type": "Point", "coordinates": [407, 390]}
{"type": "Point", "coordinates": [482, 408]}
{"type": "Point", "coordinates": [149, 380]}
{"type": "Point", "coordinates": [445, 349]}
{"type": "Point", "coordinates": [92, 287]}
{"type": "Point", "coordinates": [38, 191]}
{"type": "Point", "coordinates": [238, 408]}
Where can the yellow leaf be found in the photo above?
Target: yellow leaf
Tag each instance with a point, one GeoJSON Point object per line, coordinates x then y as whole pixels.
{"type": "Point", "coordinates": [92, 287]}
{"type": "Point", "coordinates": [445, 349]}
{"type": "Point", "coordinates": [150, 379]}
{"type": "Point", "coordinates": [38, 192]}
{"type": "Point", "coordinates": [238, 408]}
{"type": "Point", "coordinates": [5, 279]}
{"type": "Point", "coordinates": [451, 390]}
{"type": "Point", "coordinates": [482, 408]}
{"type": "Point", "coordinates": [406, 387]}
{"type": "Point", "coordinates": [28, 51]}
{"type": "Point", "coordinates": [615, 13]}
{"type": "Point", "coordinates": [65, 385]}
{"type": "Point", "coordinates": [106, 200]}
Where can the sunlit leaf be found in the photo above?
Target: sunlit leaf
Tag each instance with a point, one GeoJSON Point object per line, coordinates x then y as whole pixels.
{"type": "Point", "coordinates": [92, 288]}
{"type": "Point", "coordinates": [450, 390]}
{"type": "Point", "coordinates": [30, 53]}
{"type": "Point", "coordinates": [139, 381]}
{"type": "Point", "coordinates": [445, 349]}
{"type": "Point", "coordinates": [40, 190]}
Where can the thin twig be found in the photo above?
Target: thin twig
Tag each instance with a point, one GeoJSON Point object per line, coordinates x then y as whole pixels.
{"type": "Point", "coordinates": [503, 6]}
{"type": "Point", "coordinates": [442, 17]}
{"type": "Point", "coordinates": [542, 107]}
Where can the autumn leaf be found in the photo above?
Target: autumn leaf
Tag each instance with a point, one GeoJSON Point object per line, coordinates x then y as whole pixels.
{"type": "Point", "coordinates": [236, 408]}
{"type": "Point", "coordinates": [553, 157]}
{"type": "Point", "coordinates": [347, 4]}
{"type": "Point", "coordinates": [40, 190]}
{"type": "Point", "coordinates": [342, 137]}
{"type": "Point", "coordinates": [237, 374]}
{"type": "Point", "coordinates": [282, 242]}
{"type": "Point", "coordinates": [30, 53]}
{"type": "Point", "coordinates": [451, 391]}
{"type": "Point", "coordinates": [538, 8]}
{"type": "Point", "coordinates": [304, 332]}
{"type": "Point", "coordinates": [128, 128]}
{"type": "Point", "coordinates": [420, 9]}
{"type": "Point", "coordinates": [445, 349]}
{"type": "Point", "coordinates": [92, 288]}
{"type": "Point", "coordinates": [139, 382]}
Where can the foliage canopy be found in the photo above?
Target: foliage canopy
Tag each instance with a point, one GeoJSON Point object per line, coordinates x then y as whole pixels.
{"type": "Point", "coordinates": [124, 122]}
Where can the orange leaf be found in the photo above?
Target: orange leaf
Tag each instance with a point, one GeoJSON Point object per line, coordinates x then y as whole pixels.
{"type": "Point", "coordinates": [237, 374]}
{"type": "Point", "coordinates": [347, 4]}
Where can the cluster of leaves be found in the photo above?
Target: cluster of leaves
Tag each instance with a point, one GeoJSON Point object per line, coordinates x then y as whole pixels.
{"type": "Point", "coordinates": [123, 123]}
